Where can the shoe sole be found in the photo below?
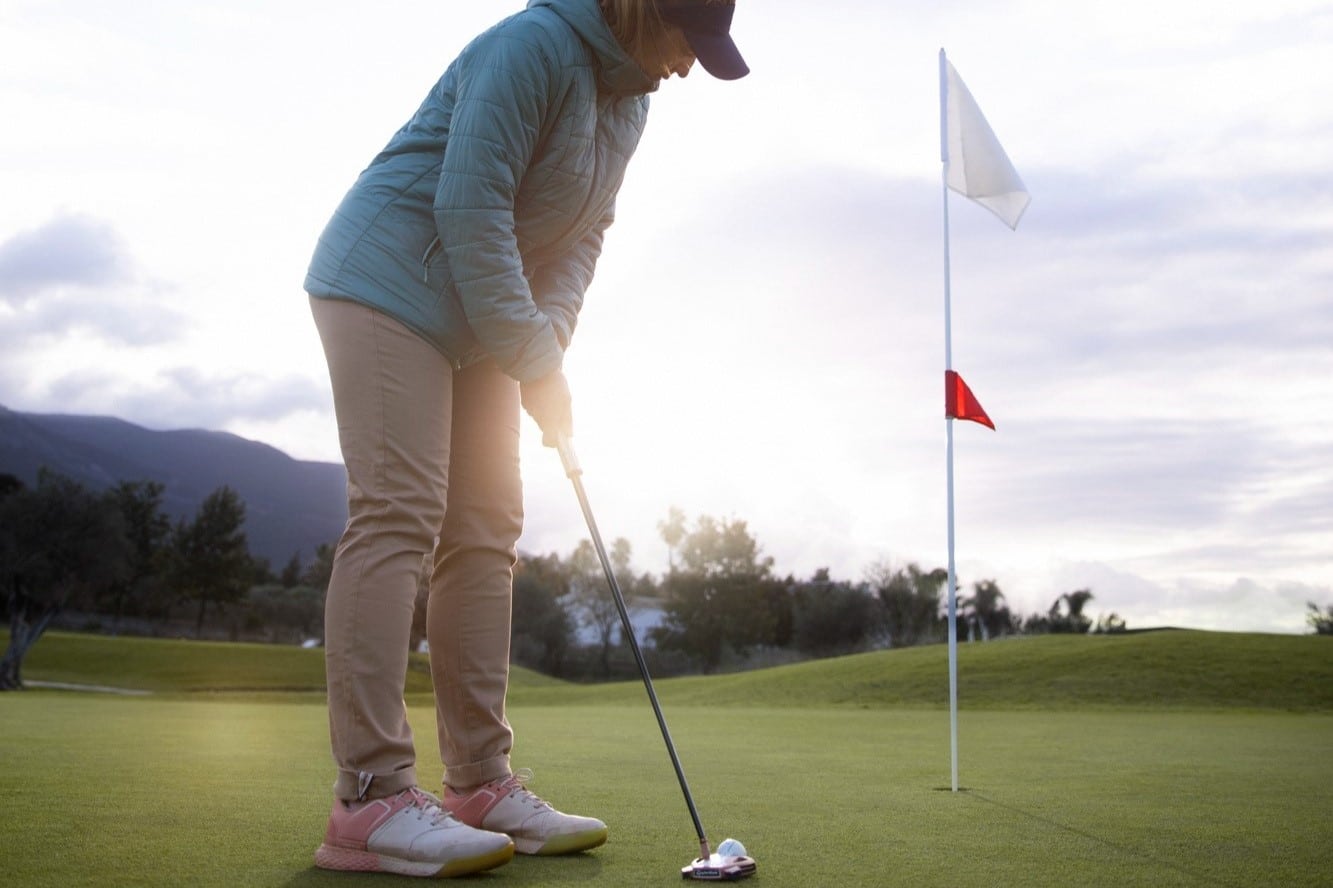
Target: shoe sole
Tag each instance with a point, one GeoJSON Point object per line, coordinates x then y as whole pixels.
{"type": "Point", "coordinates": [331, 857]}
{"type": "Point", "coordinates": [569, 843]}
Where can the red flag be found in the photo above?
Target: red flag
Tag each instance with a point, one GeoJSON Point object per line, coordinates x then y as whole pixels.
{"type": "Point", "coordinates": [960, 403]}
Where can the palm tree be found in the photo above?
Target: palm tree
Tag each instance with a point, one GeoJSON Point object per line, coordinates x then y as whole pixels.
{"type": "Point", "coordinates": [672, 529]}
{"type": "Point", "coordinates": [1066, 613]}
{"type": "Point", "coordinates": [985, 610]}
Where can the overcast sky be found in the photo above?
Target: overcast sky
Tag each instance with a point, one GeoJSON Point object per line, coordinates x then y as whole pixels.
{"type": "Point", "coordinates": [764, 340]}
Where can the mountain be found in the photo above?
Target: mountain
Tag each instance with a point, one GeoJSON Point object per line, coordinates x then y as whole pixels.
{"type": "Point", "coordinates": [291, 506]}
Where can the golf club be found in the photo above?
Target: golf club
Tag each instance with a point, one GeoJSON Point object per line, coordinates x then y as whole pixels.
{"type": "Point", "coordinates": [708, 866]}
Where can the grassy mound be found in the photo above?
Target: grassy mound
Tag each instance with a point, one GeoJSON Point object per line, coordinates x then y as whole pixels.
{"type": "Point", "coordinates": [1167, 669]}
{"type": "Point", "coordinates": [1171, 669]}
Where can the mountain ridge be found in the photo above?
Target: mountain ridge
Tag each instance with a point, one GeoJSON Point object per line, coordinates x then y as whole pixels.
{"type": "Point", "coordinates": [292, 506]}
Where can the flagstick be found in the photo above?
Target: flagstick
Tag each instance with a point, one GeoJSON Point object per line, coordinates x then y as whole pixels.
{"type": "Point", "coordinates": [948, 424]}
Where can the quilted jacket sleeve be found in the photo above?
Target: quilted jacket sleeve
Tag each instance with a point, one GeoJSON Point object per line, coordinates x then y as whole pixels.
{"type": "Point", "coordinates": [558, 288]}
{"type": "Point", "coordinates": [498, 114]}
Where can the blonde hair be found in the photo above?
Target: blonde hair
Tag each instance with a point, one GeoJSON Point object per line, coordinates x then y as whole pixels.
{"type": "Point", "coordinates": [639, 28]}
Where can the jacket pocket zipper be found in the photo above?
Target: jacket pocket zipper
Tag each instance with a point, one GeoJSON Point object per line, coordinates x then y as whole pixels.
{"type": "Point", "coordinates": [435, 247]}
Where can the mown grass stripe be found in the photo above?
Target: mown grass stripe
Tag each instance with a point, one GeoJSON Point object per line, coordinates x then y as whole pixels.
{"type": "Point", "coordinates": [1152, 670]}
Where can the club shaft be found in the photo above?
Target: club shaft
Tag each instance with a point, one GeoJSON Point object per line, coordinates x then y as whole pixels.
{"type": "Point", "coordinates": [574, 472]}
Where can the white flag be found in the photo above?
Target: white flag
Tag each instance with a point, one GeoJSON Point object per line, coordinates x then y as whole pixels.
{"type": "Point", "coordinates": [974, 161]}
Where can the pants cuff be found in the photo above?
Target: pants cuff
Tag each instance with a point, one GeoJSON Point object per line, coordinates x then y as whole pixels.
{"type": "Point", "coordinates": [352, 786]}
{"type": "Point", "coordinates": [463, 777]}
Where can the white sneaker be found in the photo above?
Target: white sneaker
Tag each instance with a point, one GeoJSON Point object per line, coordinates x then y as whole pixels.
{"type": "Point", "coordinates": [409, 834]}
{"type": "Point", "coordinates": [508, 806]}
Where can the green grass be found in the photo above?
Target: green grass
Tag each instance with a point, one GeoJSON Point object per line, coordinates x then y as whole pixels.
{"type": "Point", "coordinates": [1170, 669]}
{"type": "Point", "coordinates": [1212, 769]}
{"type": "Point", "coordinates": [178, 666]}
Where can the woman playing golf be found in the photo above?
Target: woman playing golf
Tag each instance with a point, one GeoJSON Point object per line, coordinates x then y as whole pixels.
{"type": "Point", "coordinates": [446, 289]}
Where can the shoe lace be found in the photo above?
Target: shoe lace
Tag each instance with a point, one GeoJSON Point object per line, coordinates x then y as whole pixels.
{"type": "Point", "coordinates": [426, 805]}
{"type": "Point", "coordinates": [515, 783]}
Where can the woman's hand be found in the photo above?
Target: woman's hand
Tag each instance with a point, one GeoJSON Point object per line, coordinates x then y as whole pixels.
{"type": "Point", "coordinates": [547, 401]}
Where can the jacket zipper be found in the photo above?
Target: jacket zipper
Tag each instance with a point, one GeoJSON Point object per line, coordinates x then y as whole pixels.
{"type": "Point", "coordinates": [435, 246]}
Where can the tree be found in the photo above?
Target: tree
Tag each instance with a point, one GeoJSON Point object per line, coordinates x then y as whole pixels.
{"type": "Point", "coordinates": [1109, 624]}
{"type": "Point", "coordinates": [283, 614]}
{"type": "Point", "coordinates": [1320, 622]}
{"type": "Point", "coordinates": [58, 544]}
{"type": "Point", "coordinates": [261, 572]}
{"type": "Point", "coordinates": [319, 572]}
{"type": "Point", "coordinates": [591, 599]}
{"type": "Point", "coordinates": [542, 630]}
{"type": "Point", "coordinates": [146, 529]}
{"type": "Point", "coordinates": [1066, 613]}
{"type": "Point", "coordinates": [720, 597]}
{"type": "Point", "coordinates": [834, 617]}
{"type": "Point", "coordinates": [911, 600]}
{"type": "Point", "coordinates": [984, 611]}
{"type": "Point", "coordinates": [722, 549]}
{"type": "Point", "coordinates": [210, 560]}
{"type": "Point", "coordinates": [672, 530]}
{"type": "Point", "coordinates": [290, 575]}
{"type": "Point", "coordinates": [9, 484]}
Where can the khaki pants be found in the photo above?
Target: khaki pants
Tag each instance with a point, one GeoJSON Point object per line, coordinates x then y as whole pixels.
{"type": "Point", "coordinates": [430, 452]}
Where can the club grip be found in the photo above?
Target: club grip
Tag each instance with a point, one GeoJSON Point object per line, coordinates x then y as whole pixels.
{"type": "Point", "coordinates": [567, 456]}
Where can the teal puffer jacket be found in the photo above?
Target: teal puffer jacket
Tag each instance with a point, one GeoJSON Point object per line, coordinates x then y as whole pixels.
{"type": "Point", "coordinates": [480, 223]}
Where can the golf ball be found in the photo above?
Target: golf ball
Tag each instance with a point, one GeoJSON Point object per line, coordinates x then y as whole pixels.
{"type": "Point", "coordinates": [731, 848]}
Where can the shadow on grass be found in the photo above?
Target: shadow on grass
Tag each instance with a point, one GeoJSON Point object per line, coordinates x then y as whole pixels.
{"type": "Point", "coordinates": [573, 869]}
{"type": "Point", "coordinates": [1127, 850]}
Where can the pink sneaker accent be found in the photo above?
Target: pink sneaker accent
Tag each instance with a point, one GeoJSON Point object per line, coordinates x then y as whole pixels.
{"type": "Point", "coordinates": [508, 806]}
{"type": "Point", "coordinates": [409, 834]}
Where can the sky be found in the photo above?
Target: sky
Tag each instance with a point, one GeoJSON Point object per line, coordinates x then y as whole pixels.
{"type": "Point", "coordinates": [764, 340]}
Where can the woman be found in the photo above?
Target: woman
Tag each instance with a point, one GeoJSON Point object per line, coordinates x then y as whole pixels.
{"type": "Point", "coordinates": [446, 289]}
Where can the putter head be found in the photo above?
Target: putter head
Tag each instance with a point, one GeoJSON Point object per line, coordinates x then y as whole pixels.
{"type": "Point", "coordinates": [716, 868]}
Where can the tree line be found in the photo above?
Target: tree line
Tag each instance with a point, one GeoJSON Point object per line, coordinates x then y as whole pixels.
{"type": "Point", "coordinates": [115, 560]}
{"type": "Point", "coordinates": [720, 605]}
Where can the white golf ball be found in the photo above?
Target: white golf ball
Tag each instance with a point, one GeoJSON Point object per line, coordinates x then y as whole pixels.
{"type": "Point", "coordinates": [731, 848]}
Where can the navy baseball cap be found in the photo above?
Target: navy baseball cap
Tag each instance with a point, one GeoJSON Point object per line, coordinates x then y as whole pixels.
{"type": "Point", "coordinates": [707, 28]}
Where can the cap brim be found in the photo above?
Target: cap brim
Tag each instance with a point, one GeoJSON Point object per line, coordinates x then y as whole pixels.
{"type": "Point", "coordinates": [718, 55]}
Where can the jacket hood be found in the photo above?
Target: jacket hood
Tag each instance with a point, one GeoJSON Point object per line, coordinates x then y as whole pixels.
{"type": "Point", "coordinates": [617, 72]}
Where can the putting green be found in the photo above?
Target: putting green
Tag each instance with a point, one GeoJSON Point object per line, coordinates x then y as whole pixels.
{"type": "Point", "coordinates": [154, 791]}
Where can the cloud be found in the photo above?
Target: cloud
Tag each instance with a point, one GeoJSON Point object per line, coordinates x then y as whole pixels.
{"type": "Point", "coordinates": [184, 397]}
{"type": "Point", "coordinates": [75, 276]}
{"type": "Point", "coordinates": [69, 250]}
{"type": "Point", "coordinates": [1105, 262]}
{"type": "Point", "coordinates": [130, 316]}
{"type": "Point", "coordinates": [1161, 482]}
{"type": "Point", "coordinates": [1242, 603]}
{"type": "Point", "coordinates": [1117, 473]}
{"type": "Point", "coordinates": [1235, 604]}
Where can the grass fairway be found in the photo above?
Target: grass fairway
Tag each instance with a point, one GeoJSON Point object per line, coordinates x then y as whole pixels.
{"type": "Point", "coordinates": [208, 789]}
